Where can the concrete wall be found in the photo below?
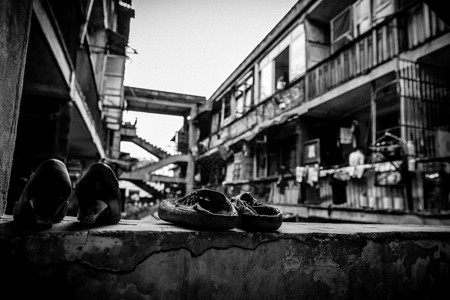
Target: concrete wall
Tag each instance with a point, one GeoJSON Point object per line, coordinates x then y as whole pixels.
{"type": "Point", "coordinates": [156, 260]}
{"type": "Point", "coordinates": [15, 16]}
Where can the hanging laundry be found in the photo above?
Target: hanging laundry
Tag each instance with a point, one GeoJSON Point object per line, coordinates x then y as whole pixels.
{"type": "Point", "coordinates": [356, 158]}
{"type": "Point", "coordinates": [312, 176]}
{"type": "Point", "coordinates": [299, 174]}
{"type": "Point", "coordinates": [345, 135]}
{"type": "Point", "coordinates": [342, 175]}
{"type": "Point", "coordinates": [359, 171]}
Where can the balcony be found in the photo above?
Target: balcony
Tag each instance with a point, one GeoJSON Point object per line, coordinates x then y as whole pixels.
{"type": "Point", "coordinates": [397, 34]}
{"type": "Point", "coordinates": [401, 32]}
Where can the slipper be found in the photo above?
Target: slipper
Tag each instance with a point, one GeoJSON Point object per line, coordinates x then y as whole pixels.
{"type": "Point", "coordinates": [256, 216]}
{"type": "Point", "coordinates": [202, 209]}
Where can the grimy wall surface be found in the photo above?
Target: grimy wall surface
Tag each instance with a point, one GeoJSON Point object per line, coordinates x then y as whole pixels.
{"type": "Point", "coordinates": [15, 16]}
{"type": "Point", "coordinates": [156, 260]}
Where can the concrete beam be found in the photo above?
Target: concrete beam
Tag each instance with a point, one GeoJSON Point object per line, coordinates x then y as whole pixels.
{"type": "Point", "coordinates": [54, 41]}
{"type": "Point", "coordinates": [161, 102]}
{"type": "Point", "coordinates": [81, 105]}
{"type": "Point", "coordinates": [157, 260]}
{"type": "Point", "coordinates": [361, 216]}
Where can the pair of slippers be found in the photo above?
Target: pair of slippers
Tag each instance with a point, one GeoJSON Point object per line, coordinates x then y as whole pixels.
{"type": "Point", "coordinates": [44, 200]}
{"type": "Point", "coordinates": [211, 210]}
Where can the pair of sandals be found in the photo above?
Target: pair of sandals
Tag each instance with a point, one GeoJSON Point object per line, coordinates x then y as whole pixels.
{"type": "Point", "coordinates": [211, 210]}
{"type": "Point", "coordinates": [44, 200]}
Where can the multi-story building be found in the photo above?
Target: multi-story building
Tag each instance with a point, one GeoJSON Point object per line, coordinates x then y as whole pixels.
{"type": "Point", "coordinates": [72, 97]}
{"type": "Point", "coordinates": [340, 113]}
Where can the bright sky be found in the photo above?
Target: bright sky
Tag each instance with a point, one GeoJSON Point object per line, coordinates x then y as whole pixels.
{"type": "Point", "coordinates": [191, 47]}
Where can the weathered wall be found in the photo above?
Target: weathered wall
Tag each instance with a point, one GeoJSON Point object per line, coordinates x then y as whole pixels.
{"type": "Point", "coordinates": [137, 260]}
{"type": "Point", "coordinates": [15, 16]}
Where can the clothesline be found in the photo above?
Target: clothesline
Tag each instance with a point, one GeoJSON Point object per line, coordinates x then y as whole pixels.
{"type": "Point", "coordinates": [311, 174]}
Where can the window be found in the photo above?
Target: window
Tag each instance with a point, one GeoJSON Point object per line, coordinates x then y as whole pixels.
{"type": "Point", "coordinates": [297, 54]}
{"type": "Point", "coordinates": [266, 75]}
{"type": "Point", "coordinates": [382, 9]}
{"type": "Point", "coordinates": [260, 157]}
{"type": "Point", "coordinates": [282, 153]}
{"type": "Point", "coordinates": [243, 95]}
{"type": "Point", "coordinates": [362, 15]}
{"type": "Point", "coordinates": [215, 122]}
{"type": "Point", "coordinates": [239, 103]}
{"type": "Point", "coordinates": [248, 93]}
{"type": "Point", "coordinates": [341, 29]}
{"type": "Point", "coordinates": [283, 64]}
{"type": "Point", "coordinates": [237, 171]}
{"type": "Point", "coordinates": [227, 105]}
{"type": "Point", "coordinates": [281, 147]}
{"type": "Point", "coordinates": [288, 152]}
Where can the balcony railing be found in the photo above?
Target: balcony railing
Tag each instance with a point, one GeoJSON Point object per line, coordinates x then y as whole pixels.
{"type": "Point", "coordinates": [270, 108]}
{"type": "Point", "coordinates": [362, 55]}
{"type": "Point", "coordinates": [404, 31]}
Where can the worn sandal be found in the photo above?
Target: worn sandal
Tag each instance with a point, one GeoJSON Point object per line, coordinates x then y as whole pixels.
{"type": "Point", "coordinates": [256, 216]}
{"type": "Point", "coordinates": [203, 209]}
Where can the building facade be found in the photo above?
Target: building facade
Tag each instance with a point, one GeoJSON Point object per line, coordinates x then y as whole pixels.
{"type": "Point", "coordinates": [72, 96]}
{"type": "Point", "coordinates": [340, 113]}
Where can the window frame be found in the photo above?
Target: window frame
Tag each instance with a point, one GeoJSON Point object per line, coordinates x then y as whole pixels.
{"type": "Point", "coordinates": [335, 41]}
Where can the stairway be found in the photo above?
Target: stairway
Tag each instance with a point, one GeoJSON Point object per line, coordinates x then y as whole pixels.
{"type": "Point", "coordinates": [144, 171]}
{"type": "Point", "coordinates": [155, 150]}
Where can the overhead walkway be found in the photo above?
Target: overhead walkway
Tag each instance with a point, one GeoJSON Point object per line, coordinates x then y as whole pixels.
{"type": "Point", "coordinates": [160, 102]}
{"type": "Point", "coordinates": [167, 103]}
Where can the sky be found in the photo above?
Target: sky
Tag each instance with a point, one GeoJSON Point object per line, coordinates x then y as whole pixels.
{"type": "Point", "coordinates": [190, 47]}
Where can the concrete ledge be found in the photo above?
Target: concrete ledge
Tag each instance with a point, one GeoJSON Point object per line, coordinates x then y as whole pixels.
{"type": "Point", "coordinates": [156, 260]}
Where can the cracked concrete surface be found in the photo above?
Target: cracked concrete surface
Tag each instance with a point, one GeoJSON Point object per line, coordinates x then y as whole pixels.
{"type": "Point", "coordinates": [157, 260]}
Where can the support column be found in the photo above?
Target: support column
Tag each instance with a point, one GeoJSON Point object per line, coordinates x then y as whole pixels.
{"type": "Point", "coordinates": [15, 18]}
{"type": "Point", "coordinates": [190, 171]}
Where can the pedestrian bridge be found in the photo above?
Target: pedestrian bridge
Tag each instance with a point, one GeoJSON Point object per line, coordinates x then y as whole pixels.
{"type": "Point", "coordinates": [160, 102]}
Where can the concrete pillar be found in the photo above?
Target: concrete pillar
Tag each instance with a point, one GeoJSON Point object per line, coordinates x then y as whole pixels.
{"type": "Point", "coordinates": [191, 163]}
{"type": "Point", "coordinates": [15, 18]}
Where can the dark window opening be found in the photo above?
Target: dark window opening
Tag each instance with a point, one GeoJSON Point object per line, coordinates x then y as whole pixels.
{"type": "Point", "coordinates": [227, 105]}
{"type": "Point", "coordinates": [281, 148]}
{"type": "Point", "coordinates": [282, 70]}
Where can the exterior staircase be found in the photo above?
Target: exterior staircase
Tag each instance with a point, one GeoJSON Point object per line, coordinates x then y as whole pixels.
{"type": "Point", "coordinates": [143, 173]}
{"type": "Point", "coordinates": [155, 150]}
